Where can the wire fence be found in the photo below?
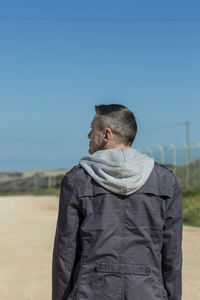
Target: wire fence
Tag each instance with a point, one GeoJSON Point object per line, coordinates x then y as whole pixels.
{"type": "Point", "coordinates": [185, 162]}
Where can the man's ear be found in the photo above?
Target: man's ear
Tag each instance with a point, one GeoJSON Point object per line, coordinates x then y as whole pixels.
{"type": "Point", "coordinates": [107, 134]}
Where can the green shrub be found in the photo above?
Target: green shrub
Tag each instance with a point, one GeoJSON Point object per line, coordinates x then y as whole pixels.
{"type": "Point", "coordinates": [191, 207]}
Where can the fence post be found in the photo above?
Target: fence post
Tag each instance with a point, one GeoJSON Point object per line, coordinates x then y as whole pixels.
{"type": "Point", "coordinates": [49, 181]}
{"type": "Point", "coordinates": [162, 154]}
{"type": "Point", "coordinates": [35, 181]}
{"type": "Point", "coordinates": [174, 157]}
{"type": "Point", "coordinates": [187, 165]}
{"type": "Point", "coordinates": [151, 152]}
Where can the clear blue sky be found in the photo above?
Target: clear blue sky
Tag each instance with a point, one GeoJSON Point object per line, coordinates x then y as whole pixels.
{"type": "Point", "coordinates": [60, 58]}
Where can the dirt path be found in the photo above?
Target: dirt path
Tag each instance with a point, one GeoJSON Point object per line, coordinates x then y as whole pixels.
{"type": "Point", "coordinates": [27, 228]}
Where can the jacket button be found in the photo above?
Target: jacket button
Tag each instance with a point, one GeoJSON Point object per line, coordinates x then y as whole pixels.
{"type": "Point", "coordinates": [147, 270]}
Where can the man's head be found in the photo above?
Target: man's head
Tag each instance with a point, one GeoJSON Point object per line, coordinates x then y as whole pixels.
{"type": "Point", "coordinates": [114, 126]}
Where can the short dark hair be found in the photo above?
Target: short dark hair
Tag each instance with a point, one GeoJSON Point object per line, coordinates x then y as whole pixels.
{"type": "Point", "coordinates": [119, 119]}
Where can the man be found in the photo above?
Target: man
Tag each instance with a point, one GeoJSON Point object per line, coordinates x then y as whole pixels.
{"type": "Point", "coordinates": [119, 228]}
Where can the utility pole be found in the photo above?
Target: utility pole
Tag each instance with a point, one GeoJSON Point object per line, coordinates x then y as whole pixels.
{"type": "Point", "coordinates": [198, 182]}
{"type": "Point", "coordinates": [187, 124]}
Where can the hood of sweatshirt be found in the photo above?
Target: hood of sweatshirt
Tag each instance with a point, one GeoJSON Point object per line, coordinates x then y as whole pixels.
{"type": "Point", "coordinates": [120, 170]}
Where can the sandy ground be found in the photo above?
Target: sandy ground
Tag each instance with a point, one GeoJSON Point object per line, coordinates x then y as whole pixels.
{"type": "Point", "coordinates": [27, 228]}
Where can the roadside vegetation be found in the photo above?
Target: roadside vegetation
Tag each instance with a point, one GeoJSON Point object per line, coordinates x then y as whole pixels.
{"type": "Point", "coordinates": [191, 202]}
{"type": "Point", "coordinates": [40, 192]}
{"type": "Point", "coordinates": [191, 207]}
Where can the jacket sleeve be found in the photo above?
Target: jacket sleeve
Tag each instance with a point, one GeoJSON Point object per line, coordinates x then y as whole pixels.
{"type": "Point", "coordinates": [172, 247]}
{"type": "Point", "coordinates": [65, 241]}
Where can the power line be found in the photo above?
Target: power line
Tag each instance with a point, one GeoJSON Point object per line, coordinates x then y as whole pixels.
{"type": "Point", "coordinates": [164, 127]}
{"type": "Point", "coordinates": [98, 19]}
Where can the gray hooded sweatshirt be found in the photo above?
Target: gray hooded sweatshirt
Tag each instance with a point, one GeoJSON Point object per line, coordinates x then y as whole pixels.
{"type": "Point", "coordinates": [119, 170]}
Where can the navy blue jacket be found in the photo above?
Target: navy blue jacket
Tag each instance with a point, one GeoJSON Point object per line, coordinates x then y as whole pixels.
{"type": "Point", "coordinates": [113, 247]}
